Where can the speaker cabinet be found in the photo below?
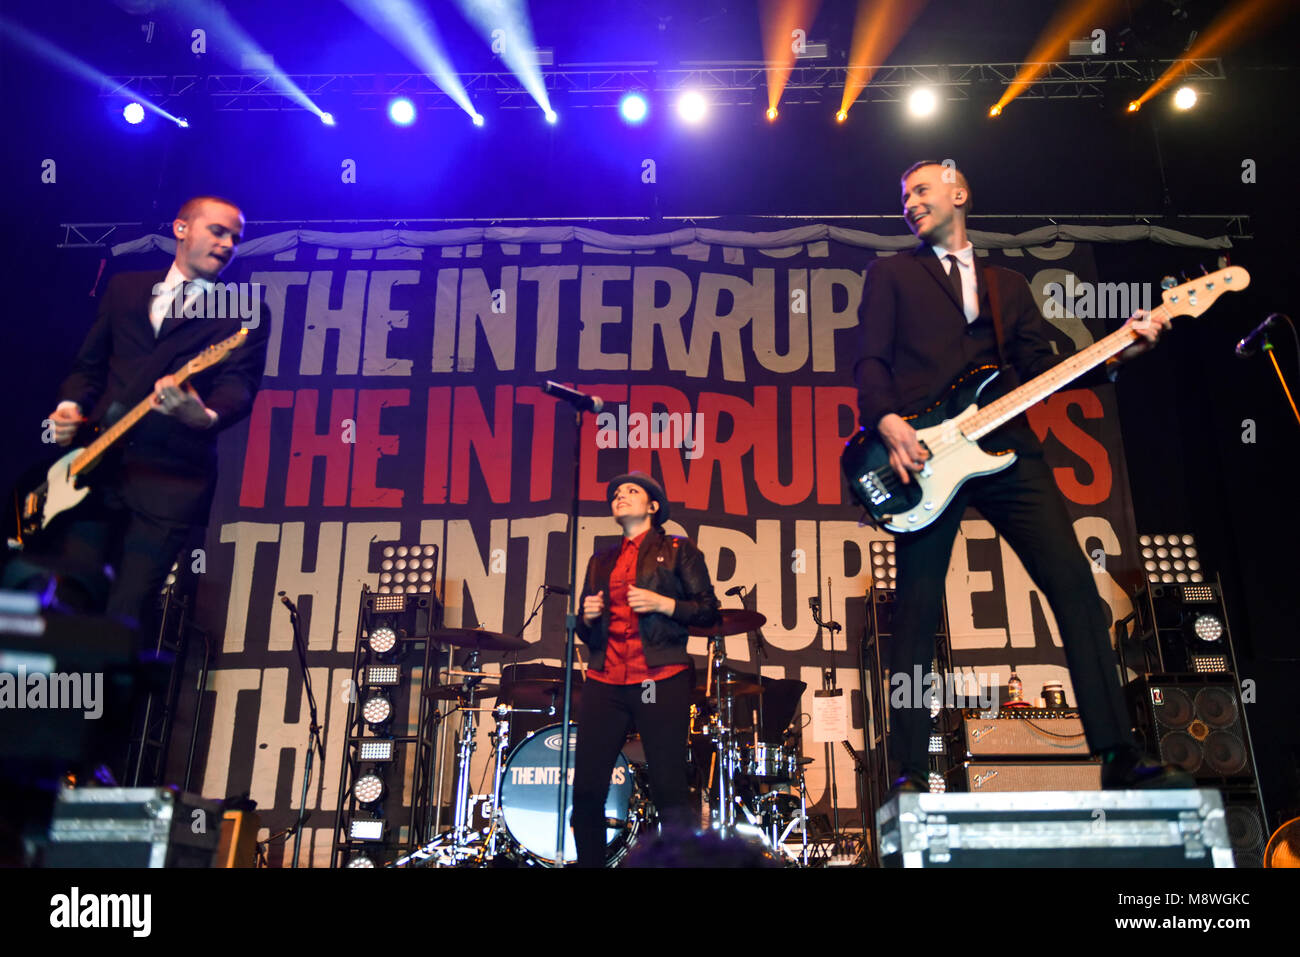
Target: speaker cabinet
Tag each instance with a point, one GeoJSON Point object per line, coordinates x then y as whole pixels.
{"type": "Point", "coordinates": [985, 776]}
{"type": "Point", "coordinates": [1195, 723]}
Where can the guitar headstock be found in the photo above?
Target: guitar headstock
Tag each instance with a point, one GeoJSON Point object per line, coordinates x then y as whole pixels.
{"type": "Point", "coordinates": [1194, 297]}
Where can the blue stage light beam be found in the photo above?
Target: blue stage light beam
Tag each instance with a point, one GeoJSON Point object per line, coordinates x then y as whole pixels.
{"type": "Point", "coordinates": [505, 25]}
{"type": "Point", "coordinates": [230, 36]}
{"type": "Point", "coordinates": [43, 48]}
{"type": "Point", "coordinates": [412, 30]}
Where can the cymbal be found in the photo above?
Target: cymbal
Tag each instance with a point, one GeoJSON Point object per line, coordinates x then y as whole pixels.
{"type": "Point", "coordinates": [735, 684]}
{"type": "Point", "coordinates": [732, 621]}
{"type": "Point", "coordinates": [453, 692]}
{"type": "Point", "coordinates": [478, 640]}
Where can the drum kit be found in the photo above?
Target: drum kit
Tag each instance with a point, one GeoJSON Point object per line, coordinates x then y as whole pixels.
{"type": "Point", "coordinates": [753, 787]}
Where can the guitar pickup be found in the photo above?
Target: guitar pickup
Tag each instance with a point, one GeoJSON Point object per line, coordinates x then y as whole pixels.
{"type": "Point", "coordinates": [876, 490]}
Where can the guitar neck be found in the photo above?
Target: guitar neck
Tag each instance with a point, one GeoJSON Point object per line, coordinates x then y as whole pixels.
{"type": "Point", "coordinates": [96, 449]}
{"type": "Point", "coordinates": [1003, 410]}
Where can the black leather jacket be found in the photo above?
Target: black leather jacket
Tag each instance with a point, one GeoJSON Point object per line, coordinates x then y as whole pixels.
{"type": "Point", "coordinates": [673, 567]}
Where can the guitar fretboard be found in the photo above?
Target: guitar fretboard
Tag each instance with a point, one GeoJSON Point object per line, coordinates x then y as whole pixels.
{"type": "Point", "coordinates": [1003, 410]}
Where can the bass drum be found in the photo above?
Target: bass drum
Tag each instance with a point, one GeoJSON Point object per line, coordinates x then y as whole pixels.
{"type": "Point", "coordinates": [530, 791]}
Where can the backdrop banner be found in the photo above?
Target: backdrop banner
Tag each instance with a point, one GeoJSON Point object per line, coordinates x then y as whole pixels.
{"type": "Point", "coordinates": [402, 403]}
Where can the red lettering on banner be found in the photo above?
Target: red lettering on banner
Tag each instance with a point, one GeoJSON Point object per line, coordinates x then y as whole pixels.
{"type": "Point", "coordinates": [590, 488]}
{"type": "Point", "coordinates": [828, 401]}
{"type": "Point", "coordinates": [491, 444]}
{"type": "Point", "coordinates": [713, 405]}
{"type": "Point", "coordinates": [1053, 415]}
{"type": "Point", "coordinates": [437, 435]}
{"type": "Point", "coordinates": [257, 451]}
{"type": "Point", "coordinates": [767, 450]}
{"type": "Point", "coordinates": [308, 445]}
{"type": "Point", "coordinates": [645, 399]}
{"type": "Point", "coordinates": [541, 455]}
{"type": "Point", "coordinates": [372, 445]}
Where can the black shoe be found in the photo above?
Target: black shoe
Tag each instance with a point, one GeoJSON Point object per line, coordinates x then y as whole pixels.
{"type": "Point", "coordinates": [907, 784]}
{"type": "Point", "coordinates": [1128, 769]}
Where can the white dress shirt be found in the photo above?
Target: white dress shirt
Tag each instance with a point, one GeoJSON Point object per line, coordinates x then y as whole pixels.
{"type": "Point", "coordinates": [965, 263]}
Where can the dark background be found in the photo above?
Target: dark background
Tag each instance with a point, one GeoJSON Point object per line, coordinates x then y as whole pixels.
{"type": "Point", "coordinates": [1182, 407]}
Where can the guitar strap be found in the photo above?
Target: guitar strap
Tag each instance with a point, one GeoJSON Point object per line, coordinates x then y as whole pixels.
{"type": "Point", "coordinates": [995, 307]}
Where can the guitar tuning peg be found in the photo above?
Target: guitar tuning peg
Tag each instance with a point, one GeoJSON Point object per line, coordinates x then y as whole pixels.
{"type": "Point", "coordinates": [1204, 271]}
{"type": "Point", "coordinates": [1168, 282]}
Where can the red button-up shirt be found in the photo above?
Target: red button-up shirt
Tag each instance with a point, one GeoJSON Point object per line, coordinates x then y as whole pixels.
{"type": "Point", "coordinates": [625, 662]}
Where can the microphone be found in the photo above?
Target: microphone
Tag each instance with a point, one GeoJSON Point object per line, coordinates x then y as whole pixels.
{"type": "Point", "coordinates": [580, 401]}
{"type": "Point", "coordinates": [736, 591]}
{"type": "Point", "coordinates": [288, 604]}
{"type": "Point", "coordinates": [1248, 346]}
{"type": "Point", "coordinates": [556, 590]}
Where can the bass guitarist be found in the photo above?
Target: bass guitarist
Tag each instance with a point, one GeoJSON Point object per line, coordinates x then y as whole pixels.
{"type": "Point", "coordinates": [148, 497]}
{"type": "Point", "coordinates": [926, 317]}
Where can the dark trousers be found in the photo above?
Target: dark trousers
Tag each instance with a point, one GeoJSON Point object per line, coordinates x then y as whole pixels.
{"type": "Point", "coordinates": [139, 551]}
{"type": "Point", "coordinates": [606, 716]}
{"type": "Point", "coordinates": [1024, 505]}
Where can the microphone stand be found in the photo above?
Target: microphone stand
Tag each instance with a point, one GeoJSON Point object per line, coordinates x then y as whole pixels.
{"type": "Point", "coordinates": [570, 639]}
{"type": "Point", "coordinates": [314, 741]}
{"type": "Point", "coordinates": [828, 685]}
{"type": "Point", "coordinates": [1267, 347]}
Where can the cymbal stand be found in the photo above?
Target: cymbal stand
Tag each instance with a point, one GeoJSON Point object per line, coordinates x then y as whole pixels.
{"type": "Point", "coordinates": [724, 739]}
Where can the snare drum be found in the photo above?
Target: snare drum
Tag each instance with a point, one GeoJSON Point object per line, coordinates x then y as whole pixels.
{"type": "Point", "coordinates": [769, 762]}
{"type": "Point", "coordinates": [530, 791]}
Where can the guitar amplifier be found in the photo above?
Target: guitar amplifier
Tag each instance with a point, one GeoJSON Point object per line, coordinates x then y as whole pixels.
{"type": "Point", "coordinates": [132, 827]}
{"type": "Point", "coordinates": [1022, 732]}
{"type": "Point", "coordinates": [1173, 828]}
{"type": "Point", "coordinates": [1031, 775]}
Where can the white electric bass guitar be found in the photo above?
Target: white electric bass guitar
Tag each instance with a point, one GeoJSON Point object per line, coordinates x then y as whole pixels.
{"type": "Point", "coordinates": [64, 488]}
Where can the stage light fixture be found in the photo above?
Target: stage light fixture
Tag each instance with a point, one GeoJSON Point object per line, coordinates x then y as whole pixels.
{"type": "Point", "coordinates": [327, 119]}
{"type": "Point", "coordinates": [133, 113]}
{"type": "Point", "coordinates": [922, 102]}
{"type": "Point", "coordinates": [365, 830]}
{"type": "Point", "coordinates": [691, 107]}
{"type": "Point", "coordinates": [383, 640]}
{"type": "Point", "coordinates": [1185, 98]}
{"type": "Point", "coordinates": [633, 108]}
{"type": "Point", "coordinates": [1134, 106]}
{"type": "Point", "coordinates": [360, 860]}
{"type": "Point", "coordinates": [382, 675]}
{"type": "Point", "coordinates": [378, 710]}
{"type": "Point", "coordinates": [552, 117]}
{"type": "Point", "coordinates": [841, 116]}
{"type": "Point", "coordinates": [375, 751]}
{"type": "Point", "coordinates": [937, 784]}
{"type": "Point", "coordinates": [183, 123]}
{"type": "Point", "coordinates": [401, 111]}
{"type": "Point", "coordinates": [478, 119]}
{"type": "Point", "coordinates": [771, 113]}
{"type": "Point", "coordinates": [368, 789]}
{"type": "Point", "coordinates": [995, 111]}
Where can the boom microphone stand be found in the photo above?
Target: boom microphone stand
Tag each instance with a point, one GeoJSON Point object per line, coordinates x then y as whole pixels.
{"type": "Point", "coordinates": [580, 403]}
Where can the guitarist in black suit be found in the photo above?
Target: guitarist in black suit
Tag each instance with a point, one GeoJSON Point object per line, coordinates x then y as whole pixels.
{"type": "Point", "coordinates": [927, 316]}
{"type": "Point", "coordinates": [155, 486]}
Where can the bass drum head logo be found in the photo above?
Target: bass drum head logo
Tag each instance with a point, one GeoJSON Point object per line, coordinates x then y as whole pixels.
{"type": "Point", "coordinates": [552, 741]}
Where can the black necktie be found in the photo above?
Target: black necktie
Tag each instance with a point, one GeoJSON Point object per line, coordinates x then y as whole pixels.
{"type": "Point", "coordinates": [954, 276]}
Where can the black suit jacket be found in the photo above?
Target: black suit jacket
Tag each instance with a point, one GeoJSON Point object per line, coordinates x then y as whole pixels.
{"type": "Point", "coordinates": [164, 468]}
{"type": "Point", "coordinates": [916, 340]}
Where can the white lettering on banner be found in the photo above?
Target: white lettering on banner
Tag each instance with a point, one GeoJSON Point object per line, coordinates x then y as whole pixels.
{"type": "Point", "coordinates": [357, 570]}
{"type": "Point", "coordinates": [1112, 592]}
{"type": "Point", "coordinates": [347, 319]}
{"type": "Point", "coordinates": [444, 319]}
{"type": "Point", "coordinates": [710, 320]}
{"type": "Point", "coordinates": [246, 536]}
{"type": "Point", "coordinates": [276, 734]}
{"type": "Point", "coordinates": [826, 319]}
{"type": "Point", "coordinates": [595, 315]}
{"type": "Point", "coordinates": [647, 317]}
{"type": "Point", "coordinates": [962, 583]}
{"type": "Point", "coordinates": [476, 313]}
{"type": "Point", "coordinates": [276, 289]}
{"type": "Point", "coordinates": [548, 279]}
{"type": "Point", "coordinates": [227, 683]}
{"type": "Point", "coordinates": [834, 565]}
{"type": "Point", "coordinates": [765, 322]}
{"type": "Point", "coordinates": [382, 318]}
{"type": "Point", "coordinates": [485, 590]}
{"type": "Point", "coordinates": [322, 585]}
{"type": "Point", "coordinates": [537, 532]}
